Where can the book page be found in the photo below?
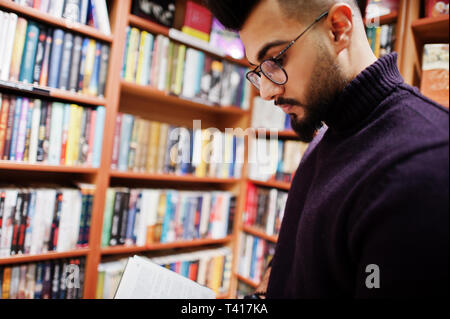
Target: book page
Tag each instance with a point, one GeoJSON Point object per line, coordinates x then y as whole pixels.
{"type": "Point", "coordinates": [143, 279]}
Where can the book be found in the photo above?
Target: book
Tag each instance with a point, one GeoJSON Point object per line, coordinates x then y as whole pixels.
{"type": "Point", "coordinates": [435, 75]}
{"type": "Point", "coordinates": [226, 40]}
{"type": "Point", "coordinates": [43, 80]}
{"type": "Point", "coordinates": [40, 55]}
{"type": "Point", "coordinates": [17, 50]}
{"type": "Point", "coordinates": [435, 8]}
{"type": "Point", "coordinates": [29, 54]}
{"type": "Point", "coordinates": [55, 58]}
{"type": "Point", "coordinates": [102, 16]}
{"type": "Point", "coordinates": [72, 10]}
{"type": "Point", "coordinates": [197, 21]}
{"type": "Point", "coordinates": [143, 279]}
{"type": "Point", "coordinates": [66, 62]}
{"type": "Point", "coordinates": [159, 11]}
{"type": "Point", "coordinates": [10, 31]}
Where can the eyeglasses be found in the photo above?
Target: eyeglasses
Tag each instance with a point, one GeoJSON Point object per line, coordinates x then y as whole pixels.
{"type": "Point", "coordinates": [271, 68]}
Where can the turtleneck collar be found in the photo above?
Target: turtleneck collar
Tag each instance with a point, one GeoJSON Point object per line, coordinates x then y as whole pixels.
{"type": "Point", "coordinates": [364, 94]}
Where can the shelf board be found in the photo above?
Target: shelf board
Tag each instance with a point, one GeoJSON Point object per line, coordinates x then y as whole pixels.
{"type": "Point", "coordinates": [247, 281]}
{"type": "Point", "coordinates": [117, 250]}
{"type": "Point", "coordinates": [287, 134]}
{"type": "Point", "coordinates": [386, 19]}
{"type": "Point", "coordinates": [7, 165]}
{"type": "Point", "coordinates": [174, 101]}
{"type": "Point", "coordinates": [47, 256]}
{"type": "Point", "coordinates": [259, 233]}
{"type": "Point", "coordinates": [172, 178]}
{"type": "Point", "coordinates": [47, 92]}
{"type": "Point", "coordinates": [48, 19]}
{"type": "Point", "coordinates": [432, 30]}
{"type": "Point", "coordinates": [272, 184]}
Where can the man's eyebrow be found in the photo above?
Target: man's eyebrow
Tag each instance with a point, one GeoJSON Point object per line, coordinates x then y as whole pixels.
{"type": "Point", "coordinates": [262, 53]}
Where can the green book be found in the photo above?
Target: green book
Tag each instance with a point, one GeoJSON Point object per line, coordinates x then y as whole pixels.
{"type": "Point", "coordinates": [107, 216]}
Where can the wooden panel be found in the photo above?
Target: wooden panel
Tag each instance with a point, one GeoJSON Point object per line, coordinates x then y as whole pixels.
{"type": "Point", "coordinates": [48, 256]}
{"type": "Point", "coordinates": [259, 233]}
{"type": "Point", "coordinates": [247, 281]}
{"type": "Point", "coordinates": [272, 184]}
{"type": "Point", "coordinates": [431, 30]}
{"type": "Point", "coordinates": [48, 19]}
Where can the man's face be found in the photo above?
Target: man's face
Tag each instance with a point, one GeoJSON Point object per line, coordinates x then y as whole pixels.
{"type": "Point", "coordinates": [314, 79]}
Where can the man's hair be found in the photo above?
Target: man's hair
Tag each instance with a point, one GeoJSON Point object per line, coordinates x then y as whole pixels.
{"type": "Point", "coordinates": [233, 13]}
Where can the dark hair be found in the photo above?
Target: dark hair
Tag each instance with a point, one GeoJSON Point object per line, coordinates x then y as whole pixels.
{"type": "Point", "coordinates": [233, 13]}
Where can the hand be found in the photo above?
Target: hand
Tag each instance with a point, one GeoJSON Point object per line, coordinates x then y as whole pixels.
{"type": "Point", "coordinates": [262, 288]}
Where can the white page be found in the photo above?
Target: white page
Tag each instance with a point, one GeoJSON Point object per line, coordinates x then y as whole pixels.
{"type": "Point", "coordinates": [143, 279]}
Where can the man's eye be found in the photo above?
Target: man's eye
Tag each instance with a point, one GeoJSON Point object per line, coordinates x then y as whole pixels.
{"type": "Point", "coordinates": [280, 60]}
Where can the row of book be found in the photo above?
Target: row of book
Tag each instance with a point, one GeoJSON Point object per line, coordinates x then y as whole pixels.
{"type": "Point", "coordinates": [381, 39]}
{"type": "Point", "coordinates": [264, 208]}
{"type": "Point", "coordinates": [38, 131]}
{"type": "Point", "coordinates": [36, 54]}
{"type": "Point", "coordinates": [90, 12]}
{"type": "Point", "coordinates": [39, 220]}
{"type": "Point", "coordinates": [273, 159]}
{"type": "Point", "coordinates": [145, 216]}
{"type": "Point", "coordinates": [54, 279]}
{"type": "Point", "coordinates": [255, 255]}
{"type": "Point", "coordinates": [153, 147]}
{"type": "Point", "coordinates": [210, 268]}
{"type": "Point", "coordinates": [183, 71]}
{"type": "Point", "coordinates": [265, 114]}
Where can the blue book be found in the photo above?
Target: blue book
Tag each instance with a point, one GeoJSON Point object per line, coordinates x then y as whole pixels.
{"type": "Point", "coordinates": [125, 136]}
{"type": "Point", "coordinates": [131, 222]}
{"type": "Point", "coordinates": [185, 269]}
{"type": "Point", "coordinates": [29, 53]}
{"type": "Point", "coordinates": [55, 58]}
{"type": "Point", "coordinates": [148, 58]}
{"type": "Point", "coordinates": [98, 138]}
{"type": "Point", "coordinates": [254, 257]}
{"type": "Point", "coordinates": [21, 134]}
{"type": "Point", "coordinates": [84, 49]}
{"type": "Point", "coordinates": [287, 124]}
{"type": "Point", "coordinates": [66, 61]}
{"type": "Point", "coordinates": [280, 157]}
{"type": "Point", "coordinates": [93, 83]}
{"type": "Point", "coordinates": [125, 57]}
{"type": "Point", "coordinates": [15, 129]}
{"type": "Point", "coordinates": [233, 158]}
{"type": "Point", "coordinates": [56, 130]}
{"type": "Point", "coordinates": [199, 72]}
{"type": "Point", "coordinates": [39, 280]}
{"type": "Point", "coordinates": [167, 217]}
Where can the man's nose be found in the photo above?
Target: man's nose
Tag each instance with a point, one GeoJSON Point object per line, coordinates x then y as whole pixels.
{"type": "Point", "coordinates": [269, 90]}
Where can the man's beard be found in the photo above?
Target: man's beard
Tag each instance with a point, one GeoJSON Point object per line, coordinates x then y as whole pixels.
{"type": "Point", "coordinates": [326, 83]}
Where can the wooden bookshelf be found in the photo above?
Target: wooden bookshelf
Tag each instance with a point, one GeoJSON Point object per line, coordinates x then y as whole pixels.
{"type": "Point", "coordinates": [172, 178]}
{"type": "Point", "coordinates": [247, 281]}
{"type": "Point", "coordinates": [45, 18]}
{"type": "Point", "coordinates": [385, 19]}
{"type": "Point", "coordinates": [82, 252]}
{"type": "Point", "coordinates": [13, 166]}
{"type": "Point", "coordinates": [259, 233]}
{"type": "Point", "coordinates": [431, 30]}
{"type": "Point", "coordinates": [149, 26]}
{"type": "Point", "coordinates": [117, 250]}
{"type": "Point", "coordinates": [272, 184]}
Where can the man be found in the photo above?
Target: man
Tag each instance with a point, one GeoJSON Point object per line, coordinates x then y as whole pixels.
{"type": "Point", "coordinates": [367, 213]}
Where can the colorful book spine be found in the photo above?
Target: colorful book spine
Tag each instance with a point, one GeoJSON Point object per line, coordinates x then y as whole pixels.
{"type": "Point", "coordinates": [56, 127]}
{"type": "Point", "coordinates": [29, 54]}
{"type": "Point", "coordinates": [66, 61]}
{"type": "Point", "coordinates": [19, 43]}
{"type": "Point", "coordinates": [55, 58]}
{"type": "Point", "coordinates": [98, 137]}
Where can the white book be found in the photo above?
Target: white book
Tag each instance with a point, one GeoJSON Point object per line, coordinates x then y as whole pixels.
{"type": "Point", "coordinates": [205, 213]}
{"type": "Point", "coordinates": [56, 8]}
{"type": "Point", "coordinates": [9, 42]}
{"type": "Point", "coordinates": [84, 4]}
{"type": "Point", "coordinates": [34, 135]}
{"type": "Point", "coordinates": [37, 223]}
{"type": "Point", "coordinates": [151, 213]}
{"type": "Point", "coordinates": [248, 256]}
{"type": "Point", "coordinates": [45, 4]}
{"type": "Point", "coordinates": [102, 16]}
{"type": "Point", "coordinates": [7, 226]}
{"type": "Point", "coordinates": [3, 26]}
{"type": "Point", "coordinates": [69, 208]}
{"type": "Point", "coordinates": [164, 60]}
{"type": "Point", "coordinates": [240, 156]}
{"type": "Point", "coordinates": [143, 279]}
{"type": "Point", "coordinates": [48, 208]}
{"type": "Point", "coordinates": [189, 73]}
{"type": "Point", "coordinates": [273, 194]}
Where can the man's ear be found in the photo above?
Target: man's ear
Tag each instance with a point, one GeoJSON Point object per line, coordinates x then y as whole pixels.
{"type": "Point", "coordinates": [340, 24]}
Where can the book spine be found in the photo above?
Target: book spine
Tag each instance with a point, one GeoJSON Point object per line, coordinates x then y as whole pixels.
{"type": "Point", "coordinates": [29, 53]}
{"type": "Point", "coordinates": [116, 142]}
{"type": "Point", "coordinates": [102, 16]}
{"type": "Point", "coordinates": [98, 138]}
{"type": "Point", "coordinates": [89, 67]}
{"type": "Point", "coordinates": [141, 56]}
{"type": "Point", "coordinates": [15, 130]}
{"type": "Point", "coordinates": [107, 216]}
{"type": "Point", "coordinates": [71, 137]}
{"type": "Point", "coordinates": [94, 81]}
{"type": "Point", "coordinates": [82, 143]}
{"type": "Point", "coordinates": [17, 52]}
{"type": "Point", "coordinates": [133, 145]}
{"type": "Point", "coordinates": [43, 80]}
{"type": "Point", "coordinates": [115, 226]}
{"type": "Point", "coordinates": [133, 49]}
{"type": "Point", "coordinates": [84, 6]}
{"type": "Point", "coordinates": [5, 106]}
{"type": "Point", "coordinates": [55, 58]}
{"type": "Point", "coordinates": [40, 54]}
{"type": "Point", "coordinates": [92, 123]}
{"type": "Point", "coordinates": [125, 53]}
{"type": "Point", "coordinates": [81, 72]}
{"type": "Point", "coordinates": [28, 131]}
{"type": "Point", "coordinates": [47, 132]}
{"type": "Point", "coordinates": [125, 136]}
{"type": "Point", "coordinates": [75, 64]}
{"type": "Point", "coordinates": [41, 136]}
{"type": "Point", "coordinates": [66, 61]}
{"type": "Point", "coordinates": [65, 134]}
{"type": "Point", "coordinates": [53, 242]}
{"type": "Point", "coordinates": [124, 215]}
{"type": "Point", "coordinates": [90, 199]}
{"type": "Point", "coordinates": [102, 77]}
{"type": "Point", "coordinates": [82, 220]}
{"type": "Point", "coordinates": [10, 32]}
{"type": "Point", "coordinates": [29, 222]}
{"type": "Point", "coordinates": [56, 8]}
{"type": "Point", "coordinates": [72, 10]}
{"type": "Point", "coordinates": [56, 131]}
{"type": "Point", "coordinates": [21, 133]}
{"type": "Point", "coordinates": [20, 249]}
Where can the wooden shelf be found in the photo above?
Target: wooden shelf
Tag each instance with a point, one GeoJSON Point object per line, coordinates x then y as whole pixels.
{"type": "Point", "coordinates": [386, 19]}
{"type": "Point", "coordinates": [147, 25]}
{"type": "Point", "coordinates": [432, 30]}
{"type": "Point", "coordinates": [6, 165]}
{"type": "Point", "coordinates": [47, 256]}
{"type": "Point", "coordinates": [117, 250]}
{"type": "Point", "coordinates": [259, 233]}
{"type": "Point", "coordinates": [176, 102]}
{"type": "Point", "coordinates": [223, 296]}
{"type": "Point", "coordinates": [47, 92]}
{"type": "Point", "coordinates": [288, 134]}
{"type": "Point", "coordinates": [247, 281]}
{"type": "Point", "coordinates": [172, 178]}
{"type": "Point", "coordinates": [272, 184]}
{"type": "Point", "coordinates": [46, 18]}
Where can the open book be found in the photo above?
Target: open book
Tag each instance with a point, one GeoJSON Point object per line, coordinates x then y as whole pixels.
{"type": "Point", "coordinates": [143, 279]}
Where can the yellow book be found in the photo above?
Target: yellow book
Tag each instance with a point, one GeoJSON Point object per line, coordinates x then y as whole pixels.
{"type": "Point", "coordinates": [162, 143]}
{"type": "Point", "coordinates": [72, 142]}
{"type": "Point", "coordinates": [140, 64]}
{"type": "Point", "coordinates": [132, 55]}
{"type": "Point", "coordinates": [180, 69]}
{"type": "Point", "coordinates": [195, 33]}
{"type": "Point", "coordinates": [143, 144]}
{"type": "Point", "coordinates": [377, 41]}
{"type": "Point", "coordinates": [89, 66]}
{"type": "Point", "coordinates": [19, 43]}
{"type": "Point", "coordinates": [77, 134]}
{"type": "Point", "coordinates": [152, 154]}
{"type": "Point", "coordinates": [133, 145]}
{"type": "Point", "coordinates": [217, 273]}
{"type": "Point", "coordinates": [207, 145]}
{"type": "Point", "coordinates": [6, 282]}
{"type": "Point", "coordinates": [228, 155]}
{"type": "Point", "coordinates": [100, 284]}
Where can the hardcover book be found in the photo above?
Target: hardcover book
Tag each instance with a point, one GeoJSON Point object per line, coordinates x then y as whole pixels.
{"type": "Point", "coordinates": [159, 11]}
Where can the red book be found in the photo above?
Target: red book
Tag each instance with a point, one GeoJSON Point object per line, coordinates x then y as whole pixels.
{"type": "Point", "coordinates": [37, 4]}
{"type": "Point", "coordinates": [198, 18]}
{"type": "Point", "coordinates": [434, 8]}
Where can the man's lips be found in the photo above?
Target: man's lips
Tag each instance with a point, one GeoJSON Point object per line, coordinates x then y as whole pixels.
{"type": "Point", "coordinates": [286, 108]}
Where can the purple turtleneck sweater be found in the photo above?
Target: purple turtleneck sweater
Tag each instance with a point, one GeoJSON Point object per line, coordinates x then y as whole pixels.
{"type": "Point", "coordinates": [372, 189]}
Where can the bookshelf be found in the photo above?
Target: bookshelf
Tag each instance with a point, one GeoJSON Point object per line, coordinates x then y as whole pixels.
{"type": "Point", "coordinates": [120, 96]}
